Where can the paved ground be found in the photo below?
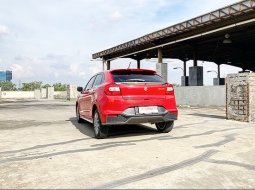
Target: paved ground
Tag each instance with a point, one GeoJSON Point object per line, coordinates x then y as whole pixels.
{"type": "Point", "coordinates": [42, 146]}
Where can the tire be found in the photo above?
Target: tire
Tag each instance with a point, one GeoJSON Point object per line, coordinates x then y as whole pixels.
{"type": "Point", "coordinates": [78, 117]}
{"type": "Point", "coordinates": [100, 130]}
{"type": "Point", "coordinates": [165, 127]}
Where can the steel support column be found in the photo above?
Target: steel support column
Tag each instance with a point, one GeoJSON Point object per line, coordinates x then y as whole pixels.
{"type": "Point", "coordinates": [184, 78]}
{"type": "Point", "coordinates": [108, 65]}
{"type": "Point", "coordinates": [138, 64]}
{"type": "Point", "coordinates": [219, 72]}
{"type": "Point", "coordinates": [185, 68]}
{"type": "Point", "coordinates": [103, 62]}
{"type": "Point", "coordinates": [160, 55]}
{"type": "Point", "coordinates": [195, 57]}
{"type": "Point", "coordinates": [218, 81]}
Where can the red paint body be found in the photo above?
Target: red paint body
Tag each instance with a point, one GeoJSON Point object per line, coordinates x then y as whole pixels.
{"type": "Point", "coordinates": [121, 96]}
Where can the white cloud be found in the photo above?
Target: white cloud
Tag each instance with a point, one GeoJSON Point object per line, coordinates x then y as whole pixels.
{"type": "Point", "coordinates": [56, 74]}
{"type": "Point", "coordinates": [54, 57]}
{"type": "Point", "coordinates": [116, 15]}
{"type": "Point", "coordinates": [24, 59]}
{"type": "Point", "coordinates": [21, 71]}
{"type": "Point", "coordinates": [81, 71]}
{"type": "Point", "coordinates": [77, 70]}
{"type": "Point", "coordinates": [94, 68]}
{"type": "Point", "coordinates": [74, 68]}
{"type": "Point", "coordinates": [3, 29]}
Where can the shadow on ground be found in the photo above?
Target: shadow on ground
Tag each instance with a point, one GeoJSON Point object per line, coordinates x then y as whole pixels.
{"type": "Point", "coordinates": [209, 115]}
{"type": "Point", "coordinates": [36, 105]}
{"type": "Point", "coordinates": [115, 131]}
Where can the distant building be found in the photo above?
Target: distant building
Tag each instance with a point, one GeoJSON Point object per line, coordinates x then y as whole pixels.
{"type": "Point", "coordinates": [5, 75]}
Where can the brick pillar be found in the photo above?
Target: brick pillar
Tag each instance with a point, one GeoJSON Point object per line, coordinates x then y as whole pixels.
{"type": "Point", "coordinates": [50, 93]}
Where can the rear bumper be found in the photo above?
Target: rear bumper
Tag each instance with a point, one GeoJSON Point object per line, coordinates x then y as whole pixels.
{"type": "Point", "coordinates": [138, 119]}
{"type": "Point", "coordinates": [117, 105]}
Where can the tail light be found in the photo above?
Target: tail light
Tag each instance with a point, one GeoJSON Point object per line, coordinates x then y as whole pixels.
{"type": "Point", "coordinates": [112, 90]}
{"type": "Point", "coordinates": [169, 90]}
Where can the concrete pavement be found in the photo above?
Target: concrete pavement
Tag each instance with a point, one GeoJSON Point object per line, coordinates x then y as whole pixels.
{"type": "Point", "coordinates": [42, 146]}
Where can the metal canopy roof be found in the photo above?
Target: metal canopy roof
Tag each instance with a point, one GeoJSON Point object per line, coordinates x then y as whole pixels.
{"type": "Point", "coordinates": [203, 34]}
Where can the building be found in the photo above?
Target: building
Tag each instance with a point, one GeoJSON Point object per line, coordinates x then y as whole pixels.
{"type": "Point", "coordinates": [5, 75]}
{"type": "Point", "coordinates": [223, 36]}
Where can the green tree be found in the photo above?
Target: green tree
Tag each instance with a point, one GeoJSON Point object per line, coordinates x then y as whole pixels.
{"type": "Point", "coordinates": [31, 86]}
{"type": "Point", "coordinates": [60, 87]}
{"type": "Point", "coordinates": [46, 85]}
{"type": "Point", "coordinates": [7, 86]}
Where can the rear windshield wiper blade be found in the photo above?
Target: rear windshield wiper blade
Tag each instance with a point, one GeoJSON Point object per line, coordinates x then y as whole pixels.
{"type": "Point", "coordinates": [135, 80]}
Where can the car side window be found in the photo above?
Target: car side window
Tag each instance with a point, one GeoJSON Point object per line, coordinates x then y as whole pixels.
{"type": "Point", "coordinates": [98, 80]}
{"type": "Point", "coordinates": [90, 83]}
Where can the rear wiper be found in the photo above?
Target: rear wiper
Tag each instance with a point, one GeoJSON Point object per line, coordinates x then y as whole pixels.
{"type": "Point", "coordinates": [135, 80]}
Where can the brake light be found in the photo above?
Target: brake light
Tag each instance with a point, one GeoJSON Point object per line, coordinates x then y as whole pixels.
{"type": "Point", "coordinates": [112, 90]}
{"type": "Point", "coordinates": [170, 90]}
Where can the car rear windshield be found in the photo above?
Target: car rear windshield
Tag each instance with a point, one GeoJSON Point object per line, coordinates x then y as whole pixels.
{"type": "Point", "coordinates": [137, 78]}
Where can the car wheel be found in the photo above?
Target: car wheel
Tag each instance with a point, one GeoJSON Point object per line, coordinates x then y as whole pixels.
{"type": "Point", "coordinates": [78, 117]}
{"type": "Point", "coordinates": [165, 127]}
{"type": "Point", "coordinates": [100, 130]}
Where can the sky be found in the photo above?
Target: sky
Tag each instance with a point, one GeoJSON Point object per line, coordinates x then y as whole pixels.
{"type": "Point", "coordinates": [53, 40]}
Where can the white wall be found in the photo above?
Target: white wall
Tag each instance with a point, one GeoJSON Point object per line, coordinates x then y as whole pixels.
{"type": "Point", "coordinates": [191, 95]}
{"type": "Point", "coordinates": [201, 95]}
{"type": "Point", "coordinates": [60, 94]}
{"type": "Point", "coordinates": [30, 94]}
{"type": "Point", "coordinates": [17, 94]}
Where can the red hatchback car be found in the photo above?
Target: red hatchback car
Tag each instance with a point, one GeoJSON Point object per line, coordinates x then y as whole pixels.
{"type": "Point", "coordinates": [127, 96]}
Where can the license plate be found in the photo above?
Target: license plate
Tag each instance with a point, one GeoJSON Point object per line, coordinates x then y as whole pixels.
{"type": "Point", "coordinates": [148, 110]}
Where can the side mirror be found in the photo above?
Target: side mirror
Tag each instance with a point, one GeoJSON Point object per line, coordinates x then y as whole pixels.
{"type": "Point", "coordinates": [79, 89]}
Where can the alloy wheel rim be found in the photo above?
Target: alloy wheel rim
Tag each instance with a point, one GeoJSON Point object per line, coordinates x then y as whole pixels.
{"type": "Point", "coordinates": [77, 113]}
{"type": "Point", "coordinates": [96, 123]}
